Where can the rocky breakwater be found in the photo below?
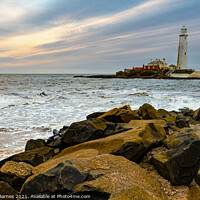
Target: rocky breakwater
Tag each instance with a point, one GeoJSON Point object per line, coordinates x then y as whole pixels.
{"type": "Point", "coordinates": [119, 154]}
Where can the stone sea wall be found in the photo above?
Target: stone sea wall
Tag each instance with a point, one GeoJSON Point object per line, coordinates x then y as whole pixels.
{"type": "Point", "coordinates": [120, 154]}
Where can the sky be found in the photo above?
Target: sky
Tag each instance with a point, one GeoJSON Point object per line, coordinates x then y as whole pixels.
{"type": "Point", "coordinates": [94, 36]}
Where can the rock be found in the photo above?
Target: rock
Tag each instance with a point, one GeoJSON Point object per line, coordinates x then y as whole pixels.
{"type": "Point", "coordinates": [179, 138]}
{"type": "Point", "coordinates": [180, 164]}
{"type": "Point", "coordinates": [43, 94]}
{"type": "Point", "coordinates": [63, 130]}
{"type": "Point", "coordinates": [33, 157]}
{"type": "Point", "coordinates": [102, 174]}
{"type": "Point", "coordinates": [135, 123]}
{"type": "Point", "coordinates": [120, 115]}
{"type": "Point", "coordinates": [94, 115]}
{"type": "Point", "coordinates": [15, 173]}
{"type": "Point", "coordinates": [194, 193]}
{"type": "Point", "coordinates": [6, 191]}
{"type": "Point", "coordinates": [163, 113]}
{"type": "Point", "coordinates": [148, 112]}
{"type": "Point", "coordinates": [197, 178]}
{"type": "Point", "coordinates": [188, 112]}
{"type": "Point", "coordinates": [87, 130]}
{"type": "Point", "coordinates": [34, 144]}
{"type": "Point", "coordinates": [181, 121]}
{"type": "Point", "coordinates": [54, 142]}
{"type": "Point", "coordinates": [196, 115]}
{"type": "Point", "coordinates": [131, 144]}
{"type": "Point", "coordinates": [131, 192]}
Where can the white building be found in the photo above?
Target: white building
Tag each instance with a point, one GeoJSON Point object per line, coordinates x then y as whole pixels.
{"type": "Point", "coordinates": [161, 64]}
{"type": "Point", "coordinates": [182, 61]}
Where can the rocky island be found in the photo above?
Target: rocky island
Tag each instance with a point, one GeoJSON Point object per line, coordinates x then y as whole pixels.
{"type": "Point", "coordinates": [120, 154]}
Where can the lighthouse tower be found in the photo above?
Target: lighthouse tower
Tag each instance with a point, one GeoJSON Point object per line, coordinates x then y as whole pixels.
{"type": "Point", "coordinates": [182, 62]}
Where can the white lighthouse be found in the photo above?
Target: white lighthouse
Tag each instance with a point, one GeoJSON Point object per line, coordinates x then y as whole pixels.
{"type": "Point", "coordinates": [182, 62]}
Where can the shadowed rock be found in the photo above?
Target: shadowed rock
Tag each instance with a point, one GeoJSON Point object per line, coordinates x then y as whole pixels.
{"type": "Point", "coordinates": [94, 115]}
{"type": "Point", "coordinates": [196, 115]}
{"type": "Point", "coordinates": [87, 130]}
{"type": "Point", "coordinates": [6, 189]}
{"type": "Point", "coordinates": [180, 164]}
{"type": "Point", "coordinates": [34, 144]}
{"type": "Point", "coordinates": [33, 157]}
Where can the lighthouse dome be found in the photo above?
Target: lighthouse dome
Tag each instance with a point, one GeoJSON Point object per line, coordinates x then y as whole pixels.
{"type": "Point", "coordinates": [184, 30]}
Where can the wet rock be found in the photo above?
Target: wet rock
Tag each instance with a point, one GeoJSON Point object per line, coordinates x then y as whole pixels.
{"type": "Point", "coordinates": [120, 115]}
{"type": "Point", "coordinates": [33, 157]}
{"type": "Point", "coordinates": [131, 192]}
{"type": "Point", "coordinates": [102, 174]}
{"type": "Point", "coordinates": [34, 144]}
{"type": "Point", "coordinates": [43, 94]}
{"type": "Point", "coordinates": [7, 191]}
{"type": "Point", "coordinates": [87, 130]}
{"type": "Point", "coordinates": [194, 193]}
{"type": "Point", "coordinates": [180, 164]}
{"type": "Point", "coordinates": [196, 115]}
{"type": "Point", "coordinates": [95, 115]}
{"type": "Point", "coordinates": [148, 112]}
{"type": "Point", "coordinates": [15, 173]}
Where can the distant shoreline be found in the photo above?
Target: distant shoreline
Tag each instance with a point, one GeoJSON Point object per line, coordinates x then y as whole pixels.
{"type": "Point", "coordinates": [135, 77]}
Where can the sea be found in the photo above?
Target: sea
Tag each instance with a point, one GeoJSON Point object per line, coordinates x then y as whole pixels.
{"type": "Point", "coordinates": [32, 105]}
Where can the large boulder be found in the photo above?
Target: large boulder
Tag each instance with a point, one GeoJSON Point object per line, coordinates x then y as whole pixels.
{"type": "Point", "coordinates": [34, 144]}
{"type": "Point", "coordinates": [120, 115]}
{"type": "Point", "coordinates": [87, 130]}
{"type": "Point", "coordinates": [98, 176]}
{"type": "Point", "coordinates": [6, 191]}
{"type": "Point", "coordinates": [131, 144]}
{"type": "Point", "coordinates": [15, 173]}
{"type": "Point", "coordinates": [148, 112]}
{"type": "Point", "coordinates": [33, 157]}
{"type": "Point", "coordinates": [196, 115]}
{"type": "Point", "coordinates": [180, 164]}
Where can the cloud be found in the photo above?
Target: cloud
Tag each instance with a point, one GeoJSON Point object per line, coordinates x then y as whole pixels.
{"type": "Point", "coordinates": [80, 33]}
